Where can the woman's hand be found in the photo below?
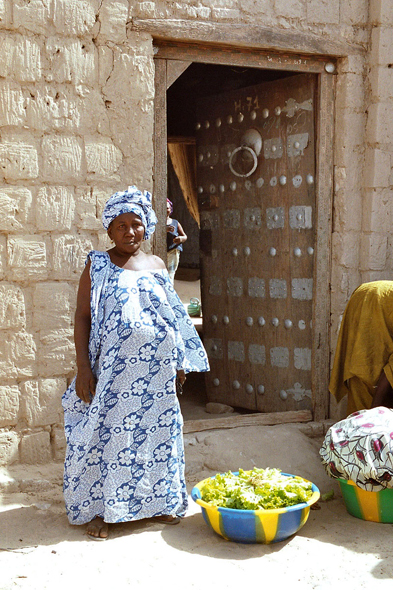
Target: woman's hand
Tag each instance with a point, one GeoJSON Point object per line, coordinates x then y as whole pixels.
{"type": "Point", "coordinates": [85, 384]}
{"type": "Point", "coordinates": [181, 376]}
{"type": "Point", "coordinates": [170, 228]}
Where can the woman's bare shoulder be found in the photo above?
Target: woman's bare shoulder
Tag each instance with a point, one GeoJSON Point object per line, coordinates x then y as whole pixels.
{"type": "Point", "coordinates": [154, 262]}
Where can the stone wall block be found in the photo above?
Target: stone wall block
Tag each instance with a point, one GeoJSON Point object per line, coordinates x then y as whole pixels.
{"type": "Point", "coordinates": [17, 356]}
{"type": "Point", "coordinates": [352, 64]}
{"type": "Point", "coordinates": [59, 443]}
{"type": "Point", "coordinates": [53, 305]}
{"type": "Point", "coordinates": [27, 258]}
{"type": "Point", "coordinates": [69, 255]}
{"type": "Point", "coordinates": [5, 14]}
{"type": "Point", "coordinates": [226, 14]}
{"type": "Point", "coordinates": [379, 128]}
{"type": "Point", "coordinates": [144, 10]}
{"type": "Point", "coordinates": [101, 196]}
{"type": "Point", "coordinates": [132, 79]}
{"type": "Point", "coordinates": [350, 128]}
{"type": "Point", "coordinates": [344, 282]}
{"type": "Point", "coordinates": [20, 58]}
{"type": "Point", "coordinates": [347, 211]}
{"type": "Point", "coordinates": [377, 168]}
{"type": "Point", "coordinates": [74, 17]}
{"type": "Point", "coordinates": [381, 83]}
{"type": "Point", "coordinates": [184, 10]}
{"type": "Point", "coordinates": [12, 307]}
{"type": "Point", "coordinates": [55, 208]}
{"type": "Point", "coordinates": [113, 18]}
{"type": "Point", "coordinates": [54, 107]}
{"type": "Point", "coordinates": [56, 352]}
{"type": "Point", "coordinates": [290, 9]}
{"type": "Point", "coordinates": [12, 103]}
{"type": "Point", "coordinates": [350, 89]}
{"type": "Point", "coordinates": [71, 60]}
{"type": "Point", "coordinates": [9, 405]}
{"type": "Point", "coordinates": [33, 15]}
{"type": "Point", "coordinates": [354, 12]}
{"type": "Point", "coordinates": [376, 275]}
{"type": "Point", "coordinates": [139, 167]}
{"type": "Point", "coordinates": [62, 159]}
{"type": "Point", "coordinates": [15, 208]}
{"type": "Point", "coordinates": [203, 12]}
{"type": "Point", "coordinates": [3, 256]}
{"type": "Point", "coordinates": [103, 158]}
{"type": "Point", "coordinates": [9, 448]}
{"type": "Point", "coordinates": [323, 11]}
{"type": "Point", "coordinates": [381, 12]}
{"type": "Point", "coordinates": [40, 403]}
{"type": "Point", "coordinates": [23, 352]}
{"type": "Point", "coordinates": [345, 249]}
{"type": "Point", "coordinates": [88, 216]}
{"type": "Point", "coordinates": [381, 45]}
{"type": "Point", "coordinates": [373, 251]}
{"type": "Point", "coordinates": [265, 8]}
{"type": "Point", "coordinates": [105, 64]}
{"type": "Point", "coordinates": [35, 448]}
{"type": "Point", "coordinates": [18, 158]}
{"type": "Point", "coordinates": [51, 108]}
{"type": "Point", "coordinates": [104, 242]}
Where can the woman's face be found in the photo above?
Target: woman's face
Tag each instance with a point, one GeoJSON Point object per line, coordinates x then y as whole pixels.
{"type": "Point", "coordinates": [168, 210]}
{"type": "Point", "coordinates": [127, 231]}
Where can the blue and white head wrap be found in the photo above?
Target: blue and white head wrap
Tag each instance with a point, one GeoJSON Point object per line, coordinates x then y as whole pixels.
{"type": "Point", "coordinates": [131, 200]}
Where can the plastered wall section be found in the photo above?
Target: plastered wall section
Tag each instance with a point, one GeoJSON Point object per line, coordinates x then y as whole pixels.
{"type": "Point", "coordinates": [76, 118]}
{"type": "Point", "coordinates": [76, 123]}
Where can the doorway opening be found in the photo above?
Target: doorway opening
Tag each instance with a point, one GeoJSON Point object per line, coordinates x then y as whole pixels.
{"type": "Point", "coordinates": [201, 81]}
{"type": "Point", "coordinates": [193, 84]}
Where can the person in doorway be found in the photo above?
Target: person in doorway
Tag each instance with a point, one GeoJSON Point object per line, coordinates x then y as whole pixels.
{"type": "Point", "coordinates": [363, 362]}
{"type": "Point", "coordinates": [133, 341]}
{"type": "Point", "coordinates": [175, 238]}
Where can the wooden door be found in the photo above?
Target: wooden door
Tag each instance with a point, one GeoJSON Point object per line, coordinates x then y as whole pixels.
{"type": "Point", "coordinates": [256, 194]}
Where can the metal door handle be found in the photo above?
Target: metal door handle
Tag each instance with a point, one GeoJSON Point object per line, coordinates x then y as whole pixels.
{"type": "Point", "coordinates": [255, 161]}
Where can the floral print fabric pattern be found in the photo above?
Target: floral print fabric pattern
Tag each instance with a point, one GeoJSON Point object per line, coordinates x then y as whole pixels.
{"type": "Point", "coordinates": [131, 200]}
{"type": "Point", "coordinates": [125, 457]}
{"type": "Point", "coordinates": [360, 448]}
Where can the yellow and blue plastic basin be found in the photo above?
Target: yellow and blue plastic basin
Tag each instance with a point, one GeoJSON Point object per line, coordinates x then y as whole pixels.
{"type": "Point", "coordinates": [255, 526]}
{"type": "Point", "coordinates": [374, 506]}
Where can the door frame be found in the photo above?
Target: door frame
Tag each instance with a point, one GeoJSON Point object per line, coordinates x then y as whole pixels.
{"type": "Point", "coordinates": [167, 53]}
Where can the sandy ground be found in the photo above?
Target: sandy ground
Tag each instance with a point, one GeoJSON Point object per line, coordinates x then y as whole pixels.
{"type": "Point", "coordinates": [41, 551]}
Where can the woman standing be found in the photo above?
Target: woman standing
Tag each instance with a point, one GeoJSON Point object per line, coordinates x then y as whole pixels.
{"type": "Point", "coordinates": [175, 239]}
{"type": "Point", "coordinates": [133, 338]}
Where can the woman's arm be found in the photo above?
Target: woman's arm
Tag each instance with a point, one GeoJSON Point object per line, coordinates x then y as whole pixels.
{"type": "Point", "coordinates": [383, 395]}
{"type": "Point", "coordinates": [85, 384]}
{"type": "Point", "coordinates": [182, 235]}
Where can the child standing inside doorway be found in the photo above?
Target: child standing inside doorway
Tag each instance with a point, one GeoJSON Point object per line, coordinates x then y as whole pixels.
{"type": "Point", "coordinates": [175, 238]}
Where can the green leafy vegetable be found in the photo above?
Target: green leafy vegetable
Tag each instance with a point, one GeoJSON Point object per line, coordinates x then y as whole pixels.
{"type": "Point", "coordinates": [258, 489]}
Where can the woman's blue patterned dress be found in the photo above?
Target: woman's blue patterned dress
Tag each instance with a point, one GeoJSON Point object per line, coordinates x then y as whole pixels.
{"type": "Point", "coordinates": [125, 456]}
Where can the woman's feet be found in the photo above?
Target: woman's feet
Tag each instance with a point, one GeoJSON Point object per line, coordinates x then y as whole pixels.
{"type": "Point", "coordinates": [97, 529]}
{"type": "Point", "coordinates": [167, 519]}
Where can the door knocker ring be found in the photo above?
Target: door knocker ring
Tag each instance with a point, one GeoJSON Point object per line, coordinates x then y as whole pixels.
{"type": "Point", "coordinates": [255, 161]}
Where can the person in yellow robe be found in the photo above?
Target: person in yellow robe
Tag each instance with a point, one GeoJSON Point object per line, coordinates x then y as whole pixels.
{"type": "Point", "coordinates": [363, 363]}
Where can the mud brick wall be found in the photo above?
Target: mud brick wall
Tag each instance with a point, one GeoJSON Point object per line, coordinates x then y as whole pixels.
{"type": "Point", "coordinates": [76, 123]}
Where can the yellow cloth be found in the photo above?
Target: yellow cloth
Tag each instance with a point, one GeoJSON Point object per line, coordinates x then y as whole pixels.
{"type": "Point", "coordinates": [365, 345]}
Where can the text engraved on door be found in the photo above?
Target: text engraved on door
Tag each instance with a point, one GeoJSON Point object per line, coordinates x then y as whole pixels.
{"type": "Point", "coordinates": [256, 168]}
